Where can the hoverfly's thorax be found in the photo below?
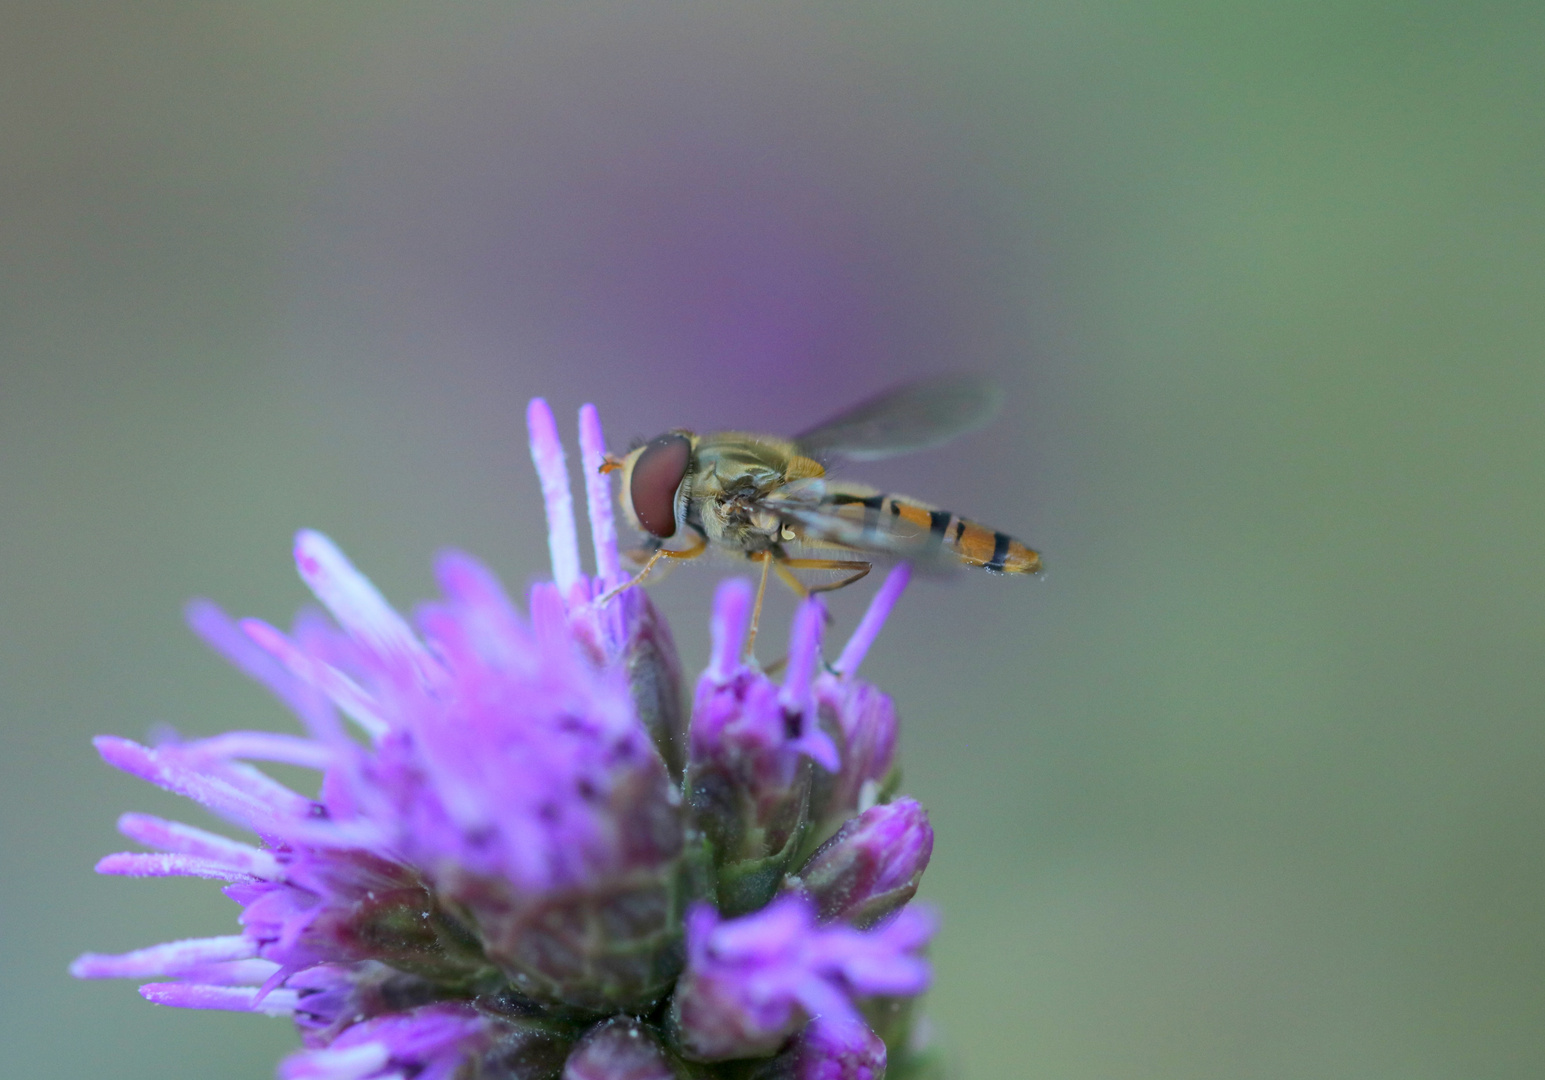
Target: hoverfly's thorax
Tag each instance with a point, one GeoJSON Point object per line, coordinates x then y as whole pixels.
{"type": "Point", "coordinates": [735, 464]}
{"type": "Point", "coordinates": [732, 473]}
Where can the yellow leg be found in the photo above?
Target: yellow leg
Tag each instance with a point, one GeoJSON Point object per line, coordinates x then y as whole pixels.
{"type": "Point", "coordinates": [636, 578]}
{"type": "Point", "coordinates": [858, 566]}
{"type": "Point", "coordinates": [692, 552]}
{"type": "Point", "coordinates": [761, 591]}
{"type": "Point", "coordinates": [799, 588]}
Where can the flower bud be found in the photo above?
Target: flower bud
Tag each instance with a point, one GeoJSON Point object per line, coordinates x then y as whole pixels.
{"type": "Point", "coordinates": [821, 1052]}
{"type": "Point", "coordinates": [871, 866]}
{"type": "Point", "coordinates": [619, 1049]}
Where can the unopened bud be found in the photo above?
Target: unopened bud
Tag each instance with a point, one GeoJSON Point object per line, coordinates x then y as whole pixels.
{"type": "Point", "coordinates": [871, 866]}
{"type": "Point", "coordinates": [827, 1052]}
{"type": "Point", "coordinates": [619, 1049]}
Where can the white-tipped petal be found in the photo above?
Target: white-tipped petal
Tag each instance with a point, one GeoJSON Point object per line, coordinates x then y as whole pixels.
{"type": "Point", "coordinates": [350, 698]}
{"type": "Point", "coordinates": [551, 469]}
{"type": "Point", "coordinates": [169, 959]}
{"type": "Point", "coordinates": [265, 746]}
{"type": "Point", "coordinates": [339, 1063]}
{"type": "Point", "coordinates": [181, 839]}
{"type": "Point", "coordinates": [155, 864]}
{"type": "Point", "coordinates": [598, 495]}
{"type": "Point", "coordinates": [357, 605]}
{"type": "Point", "coordinates": [233, 998]}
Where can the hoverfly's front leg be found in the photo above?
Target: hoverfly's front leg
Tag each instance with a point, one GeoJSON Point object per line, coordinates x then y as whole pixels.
{"type": "Point", "coordinates": [699, 546]}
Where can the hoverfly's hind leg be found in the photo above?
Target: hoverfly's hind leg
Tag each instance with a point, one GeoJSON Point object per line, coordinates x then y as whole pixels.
{"type": "Point", "coordinates": [797, 587]}
{"type": "Point", "coordinates": [859, 568]}
{"type": "Point", "coordinates": [700, 546]}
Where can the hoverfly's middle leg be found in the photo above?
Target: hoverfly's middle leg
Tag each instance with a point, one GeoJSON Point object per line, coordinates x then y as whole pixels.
{"type": "Point", "coordinates": [767, 560]}
{"type": "Point", "coordinates": [785, 567]}
{"type": "Point", "coordinates": [700, 546]}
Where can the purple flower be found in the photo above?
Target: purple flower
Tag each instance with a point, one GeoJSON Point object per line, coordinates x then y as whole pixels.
{"type": "Point", "coordinates": [494, 876]}
{"type": "Point", "coordinates": [752, 982]}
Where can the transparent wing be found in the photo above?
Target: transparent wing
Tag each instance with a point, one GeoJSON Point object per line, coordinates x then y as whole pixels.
{"type": "Point", "coordinates": [913, 416]}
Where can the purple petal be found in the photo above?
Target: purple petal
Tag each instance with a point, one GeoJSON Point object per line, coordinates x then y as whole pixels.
{"type": "Point", "coordinates": [804, 649]}
{"type": "Point", "coordinates": [172, 958]}
{"type": "Point", "coordinates": [357, 605]}
{"type": "Point", "coordinates": [239, 794]}
{"type": "Point", "coordinates": [731, 609]}
{"type": "Point", "coordinates": [346, 1063]}
{"type": "Point", "coordinates": [826, 1051]}
{"type": "Point", "coordinates": [598, 496]}
{"type": "Point", "coordinates": [265, 746]}
{"type": "Point", "coordinates": [874, 618]}
{"type": "Point", "coordinates": [140, 864]}
{"type": "Point", "coordinates": [482, 607]}
{"type": "Point", "coordinates": [751, 981]}
{"type": "Point", "coordinates": [222, 634]}
{"type": "Point", "coordinates": [174, 836]}
{"type": "Point", "coordinates": [551, 469]}
{"type": "Point", "coordinates": [356, 704]}
{"type": "Point", "coordinates": [230, 998]}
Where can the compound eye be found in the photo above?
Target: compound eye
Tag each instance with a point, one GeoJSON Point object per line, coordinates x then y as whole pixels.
{"type": "Point", "coordinates": [656, 475]}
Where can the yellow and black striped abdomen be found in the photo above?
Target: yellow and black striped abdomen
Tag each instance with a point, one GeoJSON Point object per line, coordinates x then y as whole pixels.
{"type": "Point", "coordinates": [898, 523]}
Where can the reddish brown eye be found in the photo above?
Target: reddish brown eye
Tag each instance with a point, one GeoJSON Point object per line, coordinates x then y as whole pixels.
{"type": "Point", "coordinates": [656, 475]}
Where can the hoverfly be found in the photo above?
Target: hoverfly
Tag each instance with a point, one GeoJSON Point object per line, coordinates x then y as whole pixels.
{"type": "Point", "coordinates": [761, 495]}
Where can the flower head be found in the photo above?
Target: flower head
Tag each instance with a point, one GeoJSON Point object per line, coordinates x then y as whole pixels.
{"type": "Point", "coordinates": [495, 875]}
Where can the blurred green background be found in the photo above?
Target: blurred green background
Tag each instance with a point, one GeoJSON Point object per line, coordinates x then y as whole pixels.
{"type": "Point", "coordinates": [1249, 786]}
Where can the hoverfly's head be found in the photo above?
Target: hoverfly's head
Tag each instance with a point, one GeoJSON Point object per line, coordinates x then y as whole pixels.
{"type": "Point", "coordinates": [651, 479]}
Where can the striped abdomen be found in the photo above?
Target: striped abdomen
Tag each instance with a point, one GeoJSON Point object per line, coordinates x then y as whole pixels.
{"type": "Point", "coordinates": [898, 523]}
